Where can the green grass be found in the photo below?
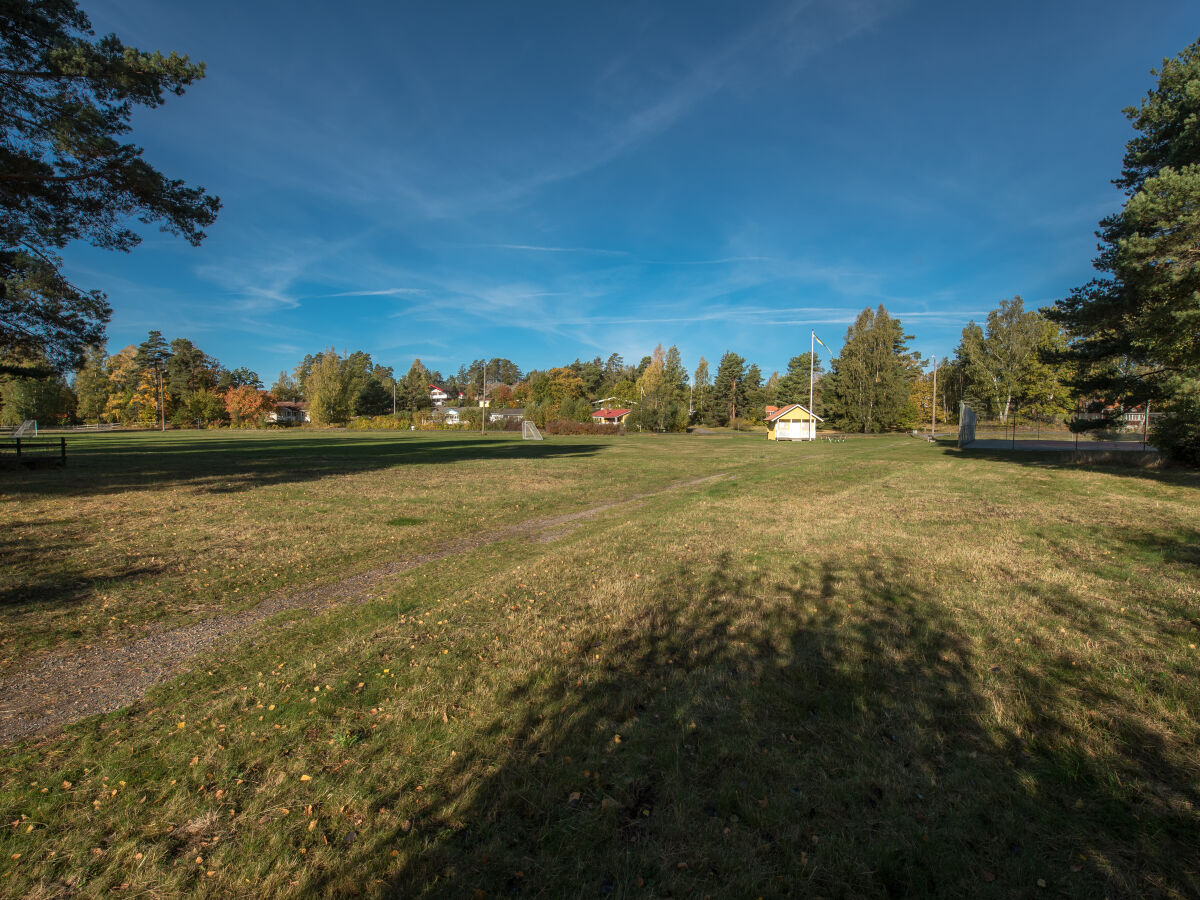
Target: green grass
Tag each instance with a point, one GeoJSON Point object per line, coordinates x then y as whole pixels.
{"type": "Point", "coordinates": [168, 528]}
{"type": "Point", "coordinates": [872, 668]}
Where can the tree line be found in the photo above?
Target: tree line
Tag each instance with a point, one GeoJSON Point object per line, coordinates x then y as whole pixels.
{"type": "Point", "coordinates": [1127, 338]}
{"type": "Point", "coordinates": [875, 383]}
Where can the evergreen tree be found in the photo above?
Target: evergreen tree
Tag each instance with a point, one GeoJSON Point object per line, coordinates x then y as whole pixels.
{"type": "Point", "coordinates": [286, 388]}
{"type": "Point", "coordinates": [729, 390]}
{"type": "Point", "coordinates": [239, 377]}
{"type": "Point", "coordinates": [152, 356]}
{"type": "Point", "coordinates": [591, 373]}
{"type": "Point", "coordinates": [373, 399]}
{"type": "Point", "coordinates": [66, 101]}
{"type": "Point", "coordinates": [793, 387]}
{"type": "Point", "coordinates": [1133, 330]}
{"type": "Point", "coordinates": [189, 369]}
{"type": "Point", "coordinates": [869, 387]}
{"type": "Point", "coordinates": [413, 391]}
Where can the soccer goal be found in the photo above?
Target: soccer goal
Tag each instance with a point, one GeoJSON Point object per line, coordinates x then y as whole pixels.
{"type": "Point", "coordinates": [529, 431]}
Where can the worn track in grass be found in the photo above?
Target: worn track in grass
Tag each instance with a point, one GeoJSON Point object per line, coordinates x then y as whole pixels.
{"type": "Point", "coordinates": [61, 688]}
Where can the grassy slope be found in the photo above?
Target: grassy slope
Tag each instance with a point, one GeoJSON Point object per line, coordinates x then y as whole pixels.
{"type": "Point", "coordinates": [957, 675]}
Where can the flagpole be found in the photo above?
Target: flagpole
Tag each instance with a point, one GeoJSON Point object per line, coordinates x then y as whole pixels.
{"type": "Point", "coordinates": [812, 355]}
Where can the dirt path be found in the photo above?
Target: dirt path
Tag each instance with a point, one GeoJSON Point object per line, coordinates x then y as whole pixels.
{"type": "Point", "coordinates": [61, 688]}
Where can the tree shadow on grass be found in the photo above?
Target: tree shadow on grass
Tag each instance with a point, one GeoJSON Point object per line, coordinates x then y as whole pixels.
{"type": "Point", "coordinates": [1128, 463]}
{"type": "Point", "coordinates": [43, 587]}
{"type": "Point", "coordinates": [228, 465]}
{"type": "Point", "coordinates": [829, 734]}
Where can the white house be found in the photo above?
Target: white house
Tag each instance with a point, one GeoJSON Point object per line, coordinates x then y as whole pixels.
{"type": "Point", "coordinates": [287, 412]}
{"type": "Point", "coordinates": [437, 396]}
{"type": "Point", "coordinates": [454, 416]}
{"type": "Point", "coordinates": [506, 415]}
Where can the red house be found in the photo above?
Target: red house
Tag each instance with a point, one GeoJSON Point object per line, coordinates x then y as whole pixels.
{"type": "Point", "coordinates": [610, 416]}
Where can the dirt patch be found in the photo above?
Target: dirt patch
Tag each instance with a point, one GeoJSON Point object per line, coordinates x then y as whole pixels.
{"type": "Point", "coordinates": [59, 689]}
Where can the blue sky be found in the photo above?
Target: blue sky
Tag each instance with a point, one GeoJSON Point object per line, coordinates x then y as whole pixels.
{"type": "Point", "coordinates": [550, 180]}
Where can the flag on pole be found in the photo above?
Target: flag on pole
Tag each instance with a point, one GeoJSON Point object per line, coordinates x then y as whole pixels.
{"type": "Point", "coordinates": [821, 342]}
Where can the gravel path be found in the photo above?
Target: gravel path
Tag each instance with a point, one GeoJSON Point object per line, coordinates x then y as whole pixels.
{"type": "Point", "coordinates": [62, 688]}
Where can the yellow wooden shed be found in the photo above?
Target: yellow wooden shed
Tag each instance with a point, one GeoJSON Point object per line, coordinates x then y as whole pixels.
{"type": "Point", "coordinates": [791, 423]}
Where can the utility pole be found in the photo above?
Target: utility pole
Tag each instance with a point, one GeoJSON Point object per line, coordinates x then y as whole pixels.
{"type": "Point", "coordinates": [483, 404]}
{"type": "Point", "coordinates": [812, 365]}
{"type": "Point", "coordinates": [735, 425]}
{"type": "Point", "coordinates": [393, 398]}
{"type": "Point", "coordinates": [933, 404]}
{"type": "Point", "coordinates": [1146, 425]}
{"type": "Point", "coordinates": [162, 410]}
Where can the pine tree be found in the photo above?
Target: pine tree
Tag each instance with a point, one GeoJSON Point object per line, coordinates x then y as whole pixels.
{"type": "Point", "coordinates": [1135, 330]}
{"type": "Point", "coordinates": [413, 391]}
{"type": "Point", "coordinates": [729, 391]}
{"type": "Point", "coordinates": [793, 387]}
{"type": "Point", "coordinates": [152, 356]}
{"type": "Point", "coordinates": [66, 103]}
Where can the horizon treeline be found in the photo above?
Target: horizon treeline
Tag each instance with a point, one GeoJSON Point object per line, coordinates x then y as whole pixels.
{"type": "Point", "coordinates": [875, 383]}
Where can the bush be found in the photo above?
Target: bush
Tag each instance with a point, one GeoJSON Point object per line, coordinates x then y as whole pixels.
{"type": "Point", "coordinates": [1177, 433]}
{"type": "Point", "coordinates": [399, 422]}
{"type": "Point", "coordinates": [566, 426]}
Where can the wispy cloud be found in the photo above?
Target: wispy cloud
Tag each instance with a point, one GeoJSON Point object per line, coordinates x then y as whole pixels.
{"type": "Point", "coordinates": [720, 261]}
{"type": "Point", "coordinates": [625, 111]}
{"type": "Point", "coordinates": [381, 292]}
{"type": "Point", "coordinates": [540, 249]}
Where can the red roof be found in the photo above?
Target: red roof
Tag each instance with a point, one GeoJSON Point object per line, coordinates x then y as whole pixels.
{"type": "Point", "coordinates": [610, 413]}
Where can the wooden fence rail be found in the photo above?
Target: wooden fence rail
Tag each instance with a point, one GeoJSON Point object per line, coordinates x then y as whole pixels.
{"type": "Point", "coordinates": [31, 452]}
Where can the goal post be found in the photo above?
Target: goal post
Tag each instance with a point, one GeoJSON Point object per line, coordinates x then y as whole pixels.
{"type": "Point", "coordinates": [529, 431]}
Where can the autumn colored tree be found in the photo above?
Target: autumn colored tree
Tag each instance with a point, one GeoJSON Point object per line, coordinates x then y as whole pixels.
{"type": "Point", "coordinates": [123, 377]}
{"type": "Point", "coordinates": [247, 405]}
{"type": "Point", "coordinates": [502, 396]}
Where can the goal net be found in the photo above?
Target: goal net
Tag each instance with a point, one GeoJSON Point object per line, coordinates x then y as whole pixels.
{"type": "Point", "coordinates": [529, 431]}
{"type": "Point", "coordinates": [966, 425]}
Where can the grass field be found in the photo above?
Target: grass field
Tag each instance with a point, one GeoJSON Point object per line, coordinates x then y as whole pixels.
{"type": "Point", "coordinates": [874, 668]}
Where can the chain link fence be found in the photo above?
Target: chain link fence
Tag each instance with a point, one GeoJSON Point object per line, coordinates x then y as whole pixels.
{"type": "Point", "coordinates": [1077, 433]}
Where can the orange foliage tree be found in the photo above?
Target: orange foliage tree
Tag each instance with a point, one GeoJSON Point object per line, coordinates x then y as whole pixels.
{"type": "Point", "coordinates": [247, 405]}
